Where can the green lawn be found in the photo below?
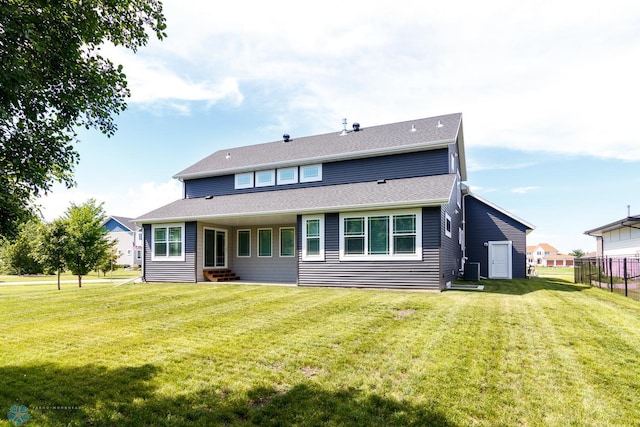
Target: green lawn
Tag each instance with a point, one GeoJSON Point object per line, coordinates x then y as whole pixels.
{"type": "Point", "coordinates": [539, 352]}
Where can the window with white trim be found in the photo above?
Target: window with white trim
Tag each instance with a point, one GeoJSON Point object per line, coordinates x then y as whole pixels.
{"type": "Point", "coordinates": [244, 243]}
{"type": "Point", "coordinates": [287, 242]}
{"type": "Point", "coordinates": [266, 178]}
{"type": "Point", "coordinates": [288, 176]}
{"type": "Point", "coordinates": [381, 235]}
{"type": "Point", "coordinates": [310, 173]}
{"type": "Point", "coordinates": [313, 238]}
{"type": "Point", "coordinates": [244, 180]}
{"type": "Point", "coordinates": [167, 242]}
{"type": "Point", "coordinates": [447, 225]}
{"type": "Point", "coordinates": [265, 245]}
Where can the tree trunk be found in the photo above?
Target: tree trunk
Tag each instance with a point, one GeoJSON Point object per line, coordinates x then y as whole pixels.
{"type": "Point", "coordinates": [58, 279]}
{"type": "Point", "coordinates": [79, 281]}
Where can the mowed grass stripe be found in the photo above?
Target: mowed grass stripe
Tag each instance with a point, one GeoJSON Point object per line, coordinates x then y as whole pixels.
{"type": "Point", "coordinates": [538, 352]}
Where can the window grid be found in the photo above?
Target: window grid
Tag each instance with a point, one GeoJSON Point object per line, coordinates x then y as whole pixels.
{"type": "Point", "coordinates": [386, 235]}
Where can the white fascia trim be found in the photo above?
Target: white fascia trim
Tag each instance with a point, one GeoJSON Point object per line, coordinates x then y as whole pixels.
{"type": "Point", "coordinates": [322, 159]}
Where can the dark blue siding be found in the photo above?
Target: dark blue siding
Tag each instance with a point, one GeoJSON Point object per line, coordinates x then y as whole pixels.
{"type": "Point", "coordinates": [114, 226]}
{"type": "Point", "coordinates": [484, 224]}
{"type": "Point", "coordinates": [408, 165]}
{"type": "Point", "coordinates": [450, 250]}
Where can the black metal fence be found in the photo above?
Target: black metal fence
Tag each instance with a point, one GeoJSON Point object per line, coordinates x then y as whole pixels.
{"type": "Point", "coordinates": [619, 274]}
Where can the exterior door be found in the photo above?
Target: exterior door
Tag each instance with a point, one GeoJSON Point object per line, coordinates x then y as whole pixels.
{"type": "Point", "coordinates": [500, 260]}
{"type": "Point", "coordinates": [215, 248]}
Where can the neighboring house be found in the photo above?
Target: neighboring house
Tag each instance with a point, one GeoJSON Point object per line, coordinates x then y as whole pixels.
{"type": "Point", "coordinates": [546, 255]}
{"type": "Point", "coordinates": [128, 237]}
{"type": "Point", "coordinates": [383, 206]}
{"type": "Point", "coordinates": [618, 238]}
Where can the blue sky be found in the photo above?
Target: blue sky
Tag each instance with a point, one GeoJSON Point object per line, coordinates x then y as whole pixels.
{"type": "Point", "coordinates": [547, 90]}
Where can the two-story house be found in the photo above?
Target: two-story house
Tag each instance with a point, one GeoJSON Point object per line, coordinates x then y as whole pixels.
{"type": "Point", "coordinates": [382, 206]}
{"type": "Point", "coordinates": [546, 255]}
{"type": "Point", "coordinates": [128, 239]}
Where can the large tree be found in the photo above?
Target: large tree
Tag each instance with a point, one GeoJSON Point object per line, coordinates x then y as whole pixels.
{"type": "Point", "coordinates": [53, 79]}
{"type": "Point", "coordinates": [87, 243]}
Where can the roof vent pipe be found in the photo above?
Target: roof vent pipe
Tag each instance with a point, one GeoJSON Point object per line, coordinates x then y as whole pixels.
{"type": "Point", "coordinates": [356, 127]}
{"type": "Point", "coordinates": [344, 127]}
{"type": "Point", "coordinates": [285, 137]}
{"type": "Point", "coordinates": [439, 125]}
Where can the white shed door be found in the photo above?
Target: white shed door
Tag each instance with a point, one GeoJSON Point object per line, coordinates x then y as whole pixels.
{"type": "Point", "coordinates": [500, 260]}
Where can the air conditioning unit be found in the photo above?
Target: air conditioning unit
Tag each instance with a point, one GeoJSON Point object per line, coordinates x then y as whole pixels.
{"type": "Point", "coordinates": [472, 271]}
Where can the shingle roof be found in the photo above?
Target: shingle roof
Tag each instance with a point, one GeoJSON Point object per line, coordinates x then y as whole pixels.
{"type": "Point", "coordinates": [630, 221]}
{"type": "Point", "coordinates": [396, 137]}
{"type": "Point", "coordinates": [126, 222]}
{"type": "Point", "coordinates": [420, 191]}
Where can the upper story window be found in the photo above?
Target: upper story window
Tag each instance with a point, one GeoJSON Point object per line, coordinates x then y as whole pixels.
{"type": "Point", "coordinates": [288, 176]}
{"type": "Point", "coordinates": [310, 173]}
{"type": "Point", "coordinates": [284, 176]}
{"type": "Point", "coordinates": [244, 180]}
{"type": "Point", "coordinates": [266, 178]}
{"type": "Point", "coordinates": [168, 242]}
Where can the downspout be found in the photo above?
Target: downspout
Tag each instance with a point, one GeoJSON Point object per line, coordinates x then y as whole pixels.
{"type": "Point", "coordinates": [464, 234]}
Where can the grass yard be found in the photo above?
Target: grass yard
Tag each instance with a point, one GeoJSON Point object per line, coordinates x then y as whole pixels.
{"type": "Point", "coordinates": [67, 277]}
{"type": "Point", "coordinates": [539, 352]}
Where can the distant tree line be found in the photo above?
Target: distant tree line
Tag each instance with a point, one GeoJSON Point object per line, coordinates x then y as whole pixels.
{"type": "Point", "coordinates": [75, 242]}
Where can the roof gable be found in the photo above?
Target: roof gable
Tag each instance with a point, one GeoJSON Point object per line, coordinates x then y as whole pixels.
{"type": "Point", "coordinates": [120, 223]}
{"type": "Point", "coordinates": [529, 227]}
{"type": "Point", "coordinates": [407, 136]}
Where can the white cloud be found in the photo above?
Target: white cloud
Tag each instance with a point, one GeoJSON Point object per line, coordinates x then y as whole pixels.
{"type": "Point", "coordinates": [542, 76]}
{"type": "Point", "coordinates": [523, 190]}
{"type": "Point", "coordinates": [138, 200]}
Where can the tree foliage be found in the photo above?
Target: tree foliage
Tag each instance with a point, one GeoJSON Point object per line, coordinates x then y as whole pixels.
{"type": "Point", "coordinates": [52, 245]}
{"type": "Point", "coordinates": [578, 253]}
{"type": "Point", "coordinates": [53, 78]}
{"type": "Point", "coordinates": [87, 243]}
{"type": "Point", "coordinates": [20, 256]}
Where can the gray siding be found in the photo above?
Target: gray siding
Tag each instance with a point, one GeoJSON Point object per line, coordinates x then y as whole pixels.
{"type": "Point", "coordinates": [408, 165]}
{"type": "Point", "coordinates": [275, 269]}
{"type": "Point", "coordinates": [170, 271]}
{"type": "Point", "coordinates": [485, 224]}
{"type": "Point", "coordinates": [451, 250]}
{"type": "Point", "coordinates": [384, 274]}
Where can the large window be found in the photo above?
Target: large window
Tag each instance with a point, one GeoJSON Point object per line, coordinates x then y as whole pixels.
{"type": "Point", "coordinates": [244, 243]}
{"type": "Point", "coordinates": [287, 242]}
{"type": "Point", "coordinates": [168, 242]}
{"type": "Point", "coordinates": [265, 246]}
{"type": "Point", "coordinates": [381, 235]}
{"type": "Point", "coordinates": [313, 238]}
